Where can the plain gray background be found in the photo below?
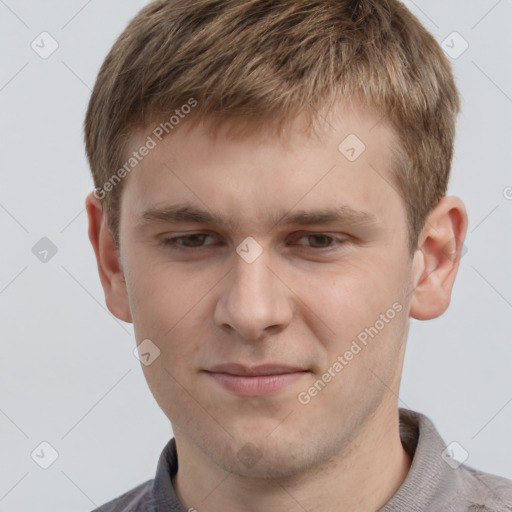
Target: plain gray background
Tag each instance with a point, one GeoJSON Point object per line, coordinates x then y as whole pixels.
{"type": "Point", "coordinates": [68, 374]}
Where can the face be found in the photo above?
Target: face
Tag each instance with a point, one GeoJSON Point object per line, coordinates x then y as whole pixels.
{"type": "Point", "coordinates": [274, 276]}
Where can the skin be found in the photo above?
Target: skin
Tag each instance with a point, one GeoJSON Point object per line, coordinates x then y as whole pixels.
{"type": "Point", "coordinates": [298, 304]}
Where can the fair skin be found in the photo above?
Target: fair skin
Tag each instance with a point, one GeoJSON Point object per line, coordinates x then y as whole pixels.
{"type": "Point", "coordinates": [301, 303]}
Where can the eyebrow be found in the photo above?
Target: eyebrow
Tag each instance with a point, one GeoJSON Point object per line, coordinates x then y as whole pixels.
{"type": "Point", "coordinates": [189, 213]}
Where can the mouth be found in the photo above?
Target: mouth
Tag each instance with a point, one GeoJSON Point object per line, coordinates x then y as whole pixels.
{"type": "Point", "coordinates": [255, 380]}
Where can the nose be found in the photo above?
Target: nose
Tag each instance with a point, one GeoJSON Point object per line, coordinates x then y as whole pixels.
{"type": "Point", "coordinates": [254, 300]}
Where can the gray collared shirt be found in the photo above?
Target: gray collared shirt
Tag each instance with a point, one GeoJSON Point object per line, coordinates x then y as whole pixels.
{"type": "Point", "coordinates": [435, 482]}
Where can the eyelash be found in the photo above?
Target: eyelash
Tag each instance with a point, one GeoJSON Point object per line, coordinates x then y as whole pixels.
{"type": "Point", "coordinates": [172, 242]}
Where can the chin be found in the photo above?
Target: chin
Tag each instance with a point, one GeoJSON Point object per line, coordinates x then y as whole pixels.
{"type": "Point", "coordinates": [261, 457]}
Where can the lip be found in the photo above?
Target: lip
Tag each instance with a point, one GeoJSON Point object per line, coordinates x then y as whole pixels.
{"type": "Point", "coordinates": [262, 369]}
{"type": "Point", "coordinates": [255, 380]}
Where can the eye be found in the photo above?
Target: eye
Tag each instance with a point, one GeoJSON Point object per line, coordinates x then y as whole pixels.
{"type": "Point", "coordinates": [317, 241]}
{"type": "Point", "coordinates": [194, 240]}
{"type": "Point", "coordinates": [320, 240]}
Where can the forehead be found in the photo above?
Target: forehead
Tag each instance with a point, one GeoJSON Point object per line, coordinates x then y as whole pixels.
{"type": "Point", "coordinates": [344, 163]}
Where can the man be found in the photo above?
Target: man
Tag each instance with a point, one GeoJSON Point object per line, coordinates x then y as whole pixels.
{"type": "Point", "coordinates": [270, 212]}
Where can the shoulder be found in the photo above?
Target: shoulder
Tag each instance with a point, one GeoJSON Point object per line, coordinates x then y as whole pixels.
{"type": "Point", "coordinates": [435, 484]}
{"type": "Point", "coordinates": [485, 492]}
{"type": "Point", "coordinates": [135, 500]}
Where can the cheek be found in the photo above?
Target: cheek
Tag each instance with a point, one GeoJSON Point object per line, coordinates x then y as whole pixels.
{"type": "Point", "coordinates": [163, 296]}
{"type": "Point", "coordinates": [364, 307]}
{"type": "Point", "coordinates": [171, 308]}
{"type": "Point", "coordinates": [352, 295]}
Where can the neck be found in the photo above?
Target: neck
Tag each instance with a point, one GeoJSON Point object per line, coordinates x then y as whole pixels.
{"type": "Point", "coordinates": [363, 478]}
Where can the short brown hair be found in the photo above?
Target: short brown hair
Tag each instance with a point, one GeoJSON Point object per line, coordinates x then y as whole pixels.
{"type": "Point", "coordinates": [266, 61]}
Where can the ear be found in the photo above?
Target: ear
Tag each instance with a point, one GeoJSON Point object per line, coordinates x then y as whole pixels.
{"type": "Point", "coordinates": [436, 261]}
{"type": "Point", "coordinates": [107, 257]}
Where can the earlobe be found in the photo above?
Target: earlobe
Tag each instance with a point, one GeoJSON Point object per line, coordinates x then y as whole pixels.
{"type": "Point", "coordinates": [437, 258]}
{"type": "Point", "coordinates": [108, 261]}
